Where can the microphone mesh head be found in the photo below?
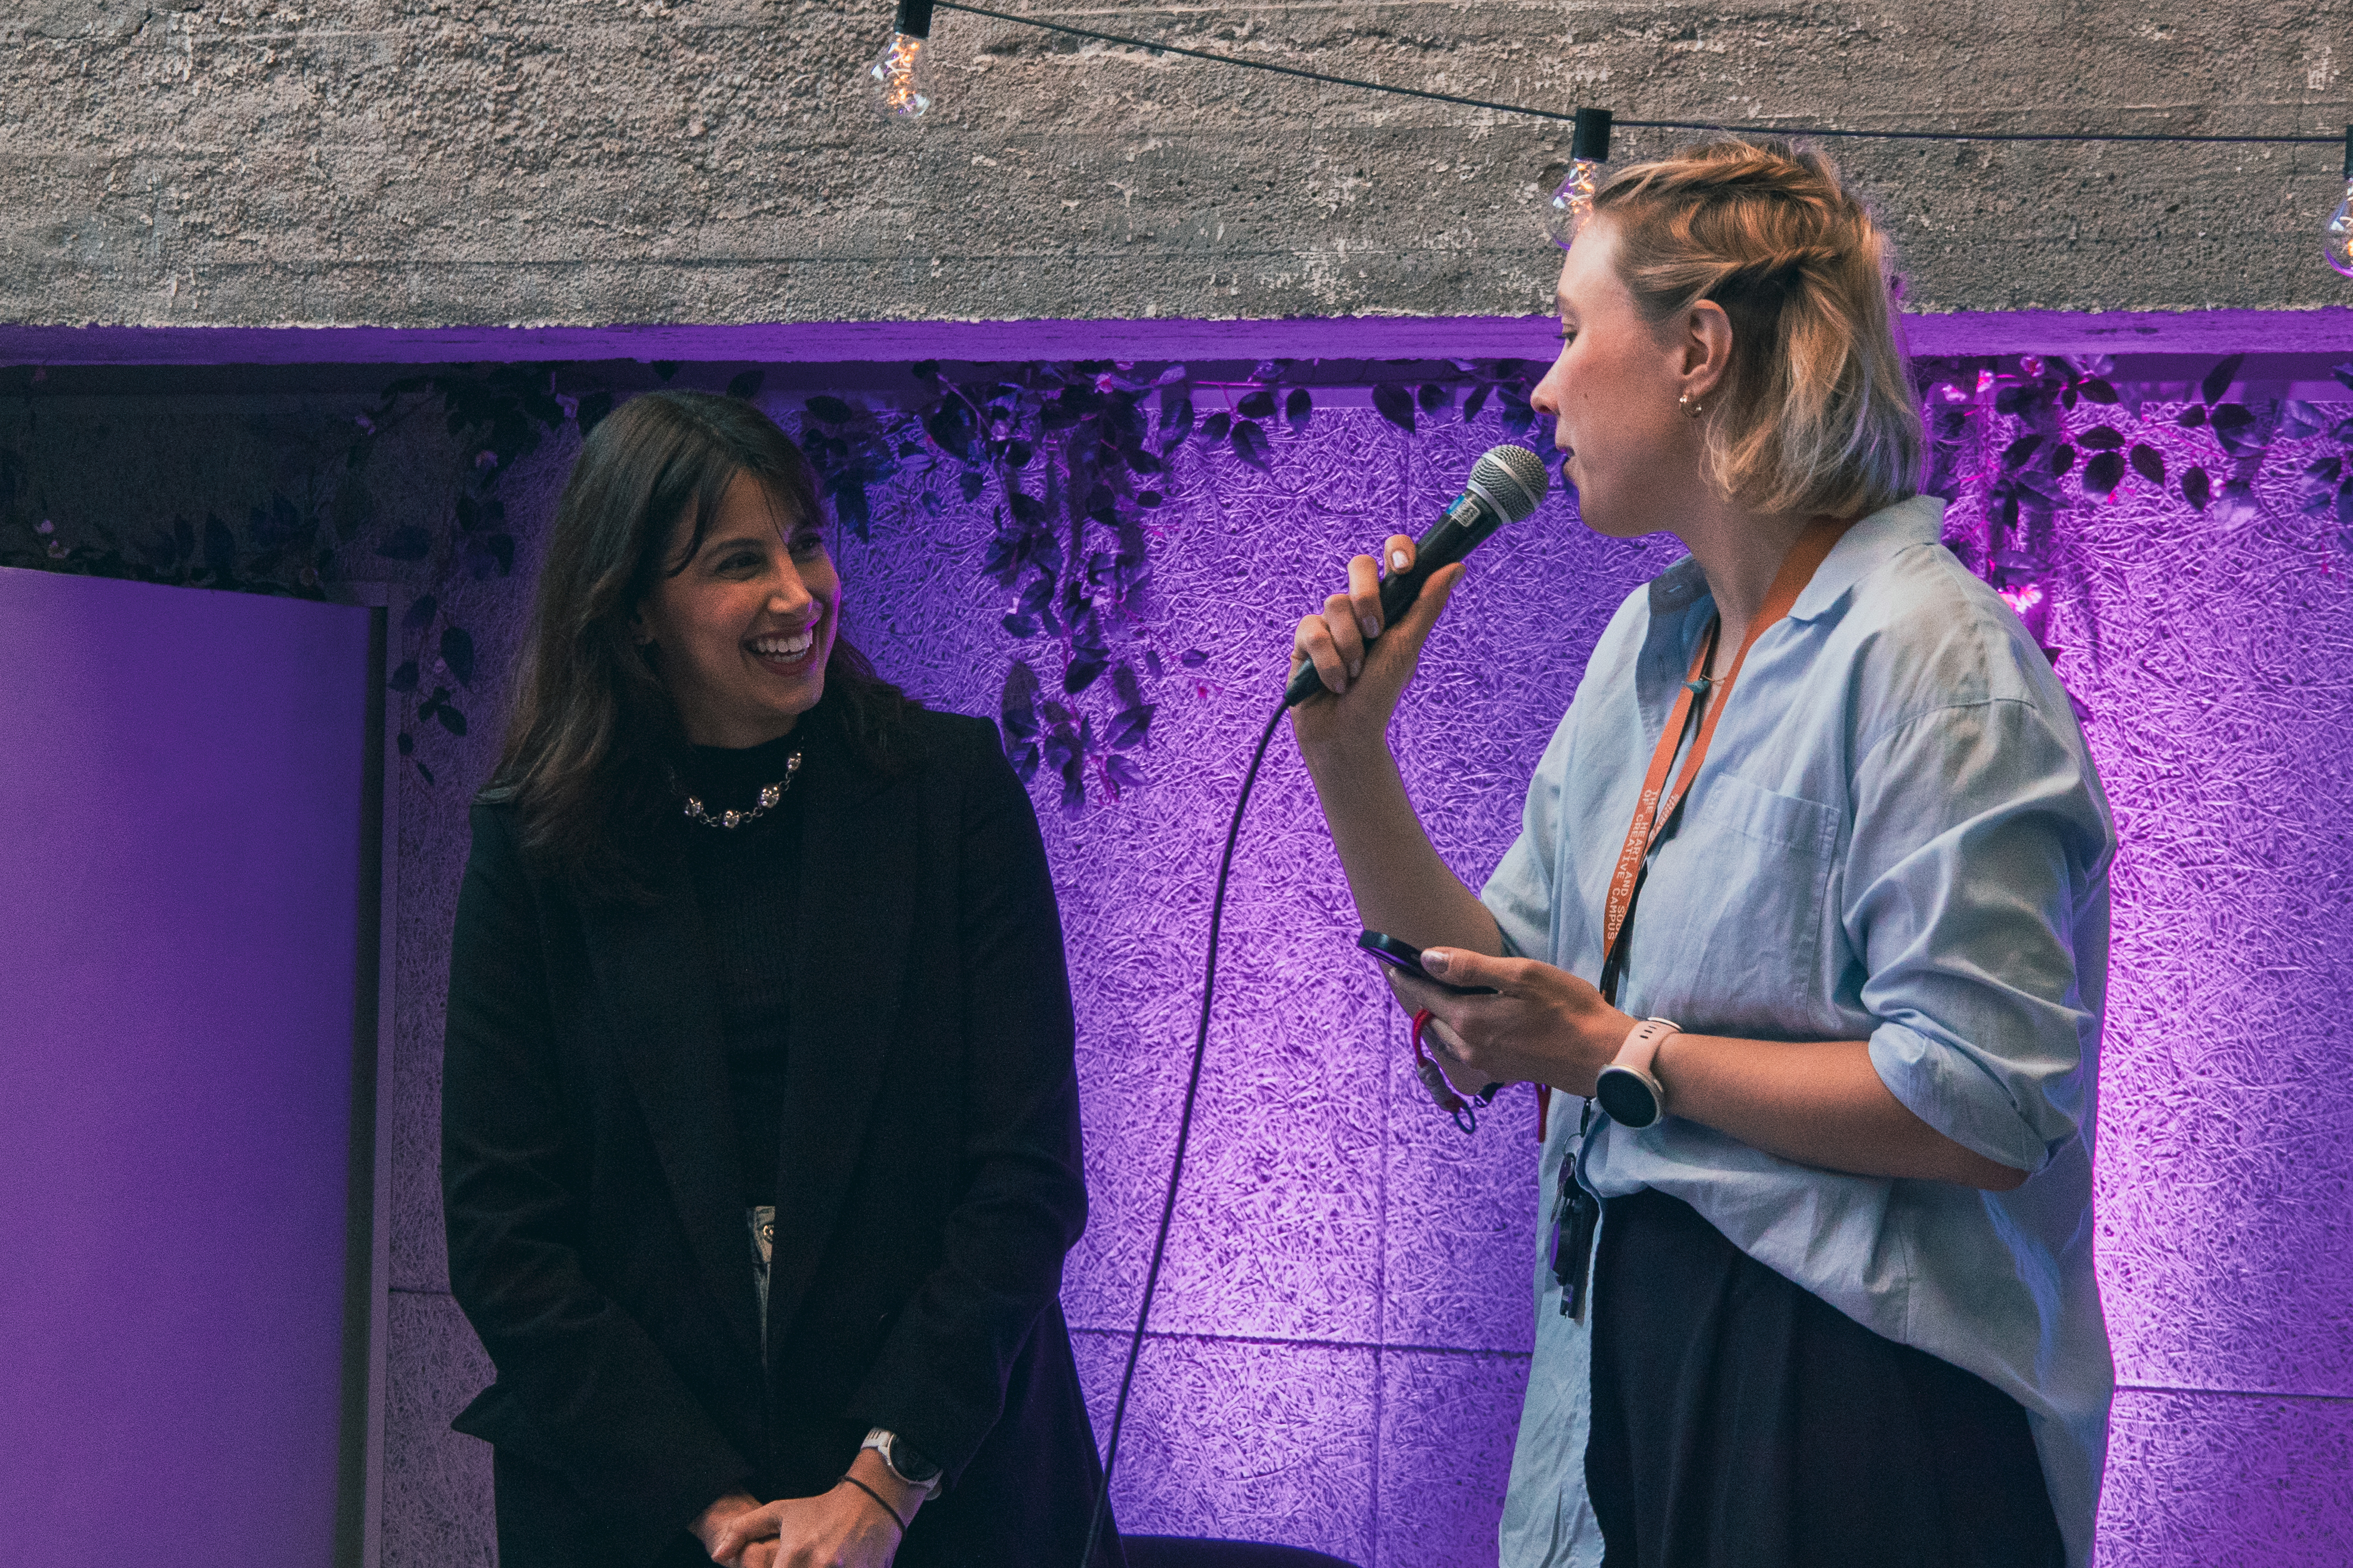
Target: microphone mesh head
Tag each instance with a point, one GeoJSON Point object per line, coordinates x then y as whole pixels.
{"type": "Point", "coordinates": [1513, 478]}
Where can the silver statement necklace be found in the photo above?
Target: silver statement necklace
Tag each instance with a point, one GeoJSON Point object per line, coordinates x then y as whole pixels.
{"type": "Point", "coordinates": [769, 795]}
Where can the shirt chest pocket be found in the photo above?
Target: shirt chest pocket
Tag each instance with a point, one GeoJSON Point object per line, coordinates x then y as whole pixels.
{"type": "Point", "coordinates": [1728, 933]}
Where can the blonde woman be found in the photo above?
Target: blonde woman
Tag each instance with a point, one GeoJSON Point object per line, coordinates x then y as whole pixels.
{"type": "Point", "coordinates": [1807, 926]}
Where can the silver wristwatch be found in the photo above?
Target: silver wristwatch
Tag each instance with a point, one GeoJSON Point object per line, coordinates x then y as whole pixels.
{"type": "Point", "coordinates": [902, 1461]}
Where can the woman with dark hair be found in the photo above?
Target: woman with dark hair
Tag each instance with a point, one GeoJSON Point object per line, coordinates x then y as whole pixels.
{"type": "Point", "coordinates": [760, 1135]}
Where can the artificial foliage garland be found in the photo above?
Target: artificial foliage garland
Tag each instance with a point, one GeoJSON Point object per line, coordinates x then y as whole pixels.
{"type": "Point", "coordinates": [1075, 457]}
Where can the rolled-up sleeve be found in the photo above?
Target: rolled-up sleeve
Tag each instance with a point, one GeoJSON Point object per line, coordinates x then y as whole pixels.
{"type": "Point", "coordinates": [1980, 848]}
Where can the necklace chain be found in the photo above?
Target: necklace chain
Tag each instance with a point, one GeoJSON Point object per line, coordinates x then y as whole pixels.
{"type": "Point", "coordinates": [769, 795]}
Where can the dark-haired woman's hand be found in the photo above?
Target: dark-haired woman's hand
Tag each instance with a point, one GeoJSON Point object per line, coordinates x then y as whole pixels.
{"type": "Point", "coordinates": [844, 1528]}
{"type": "Point", "coordinates": [1367, 675]}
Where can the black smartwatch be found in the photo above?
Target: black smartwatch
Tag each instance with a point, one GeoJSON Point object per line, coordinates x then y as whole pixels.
{"type": "Point", "coordinates": [902, 1460]}
{"type": "Point", "coordinates": [1626, 1089]}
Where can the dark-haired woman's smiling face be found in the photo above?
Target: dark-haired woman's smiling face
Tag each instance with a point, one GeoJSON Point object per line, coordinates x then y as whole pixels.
{"type": "Point", "coordinates": [743, 631]}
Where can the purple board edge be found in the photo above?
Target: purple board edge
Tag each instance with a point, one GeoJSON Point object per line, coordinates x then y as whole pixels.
{"type": "Point", "coordinates": [2328, 329]}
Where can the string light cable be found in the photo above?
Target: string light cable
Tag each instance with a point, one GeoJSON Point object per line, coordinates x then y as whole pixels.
{"type": "Point", "coordinates": [1565, 211]}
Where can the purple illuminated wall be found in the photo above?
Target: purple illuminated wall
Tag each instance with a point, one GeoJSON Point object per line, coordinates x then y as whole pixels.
{"type": "Point", "coordinates": [1345, 1319]}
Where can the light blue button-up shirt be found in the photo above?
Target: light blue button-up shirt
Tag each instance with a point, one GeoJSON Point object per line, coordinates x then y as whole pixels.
{"type": "Point", "coordinates": [1898, 836]}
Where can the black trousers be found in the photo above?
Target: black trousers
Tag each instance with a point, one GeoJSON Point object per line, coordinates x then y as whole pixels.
{"type": "Point", "coordinates": [1741, 1422]}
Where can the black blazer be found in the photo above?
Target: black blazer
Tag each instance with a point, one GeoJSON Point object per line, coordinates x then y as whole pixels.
{"type": "Point", "coordinates": [930, 1182]}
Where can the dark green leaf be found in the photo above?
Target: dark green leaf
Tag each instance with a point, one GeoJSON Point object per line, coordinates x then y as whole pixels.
{"type": "Point", "coordinates": [1081, 671]}
{"type": "Point", "coordinates": [451, 720]}
{"type": "Point", "coordinates": [831, 409]}
{"type": "Point", "coordinates": [1214, 428]}
{"type": "Point", "coordinates": [458, 653]}
{"type": "Point", "coordinates": [1175, 415]}
{"type": "Point", "coordinates": [1473, 404]}
{"type": "Point", "coordinates": [404, 679]}
{"type": "Point", "coordinates": [1297, 409]}
{"type": "Point", "coordinates": [1433, 395]}
{"type": "Point", "coordinates": [2099, 391]}
{"type": "Point", "coordinates": [2148, 463]}
{"type": "Point", "coordinates": [1148, 498]}
{"type": "Point", "coordinates": [405, 742]}
{"type": "Point", "coordinates": [2014, 456]}
{"type": "Point", "coordinates": [2062, 459]}
{"type": "Point", "coordinates": [1123, 772]}
{"type": "Point", "coordinates": [1394, 404]}
{"type": "Point", "coordinates": [851, 507]}
{"type": "Point", "coordinates": [1192, 659]}
{"type": "Point", "coordinates": [1249, 443]}
{"type": "Point", "coordinates": [1019, 625]}
{"type": "Point", "coordinates": [925, 370]}
{"type": "Point", "coordinates": [2104, 473]}
{"type": "Point", "coordinates": [2191, 417]}
{"type": "Point", "coordinates": [2197, 489]}
{"type": "Point", "coordinates": [664, 369]}
{"type": "Point", "coordinates": [2101, 439]}
{"type": "Point", "coordinates": [1259, 404]}
{"type": "Point", "coordinates": [2218, 380]}
{"type": "Point", "coordinates": [969, 483]}
{"type": "Point", "coordinates": [746, 385]}
{"type": "Point", "coordinates": [421, 611]}
{"type": "Point", "coordinates": [426, 770]}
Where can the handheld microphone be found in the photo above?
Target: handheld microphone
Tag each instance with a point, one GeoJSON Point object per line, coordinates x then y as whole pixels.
{"type": "Point", "coordinates": [1506, 484]}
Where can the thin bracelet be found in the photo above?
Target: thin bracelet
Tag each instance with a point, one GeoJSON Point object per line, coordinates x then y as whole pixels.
{"type": "Point", "coordinates": [886, 1507]}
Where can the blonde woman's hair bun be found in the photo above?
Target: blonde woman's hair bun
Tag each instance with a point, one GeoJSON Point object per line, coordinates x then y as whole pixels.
{"type": "Point", "coordinates": [1815, 413]}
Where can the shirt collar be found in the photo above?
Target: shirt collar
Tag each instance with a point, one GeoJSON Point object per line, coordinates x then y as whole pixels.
{"type": "Point", "coordinates": [1863, 549]}
{"type": "Point", "coordinates": [1877, 538]}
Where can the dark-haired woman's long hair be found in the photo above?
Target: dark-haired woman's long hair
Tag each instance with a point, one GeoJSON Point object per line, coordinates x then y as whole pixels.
{"type": "Point", "coordinates": [593, 734]}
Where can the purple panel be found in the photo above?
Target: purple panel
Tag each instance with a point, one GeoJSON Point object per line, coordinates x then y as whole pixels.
{"type": "Point", "coordinates": [1447, 1421]}
{"type": "Point", "coordinates": [178, 939]}
{"type": "Point", "coordinates": [2220, 1481]}
{"type": "Point", "coordinates": [1242, 1441]}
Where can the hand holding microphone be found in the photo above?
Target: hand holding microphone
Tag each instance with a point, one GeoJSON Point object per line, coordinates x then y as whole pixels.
{"type": "Point", "coordinates": [1336, 651]}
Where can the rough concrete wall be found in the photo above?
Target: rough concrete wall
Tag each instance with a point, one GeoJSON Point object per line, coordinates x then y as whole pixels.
{"type": "Point", "coordinates": [419, 162]}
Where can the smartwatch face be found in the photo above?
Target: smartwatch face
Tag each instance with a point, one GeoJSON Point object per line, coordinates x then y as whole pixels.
{"type": "Point", "coordinates": [1626, 1097]}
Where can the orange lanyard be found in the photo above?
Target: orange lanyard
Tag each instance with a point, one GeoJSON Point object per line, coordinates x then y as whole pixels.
{"type": "Point", "coordinates": [1655, 810]}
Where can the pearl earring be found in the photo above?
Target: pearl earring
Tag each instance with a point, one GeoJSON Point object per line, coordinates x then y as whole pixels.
{"type": "Point", "coordinates": [1688, 407]}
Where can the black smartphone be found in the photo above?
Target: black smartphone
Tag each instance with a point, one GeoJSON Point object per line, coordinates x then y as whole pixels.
{"type": "Point", "coordinates": [1405, 956]}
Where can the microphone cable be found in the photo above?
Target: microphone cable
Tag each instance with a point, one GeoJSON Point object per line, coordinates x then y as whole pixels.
{"type": "Point", "coordinates": [1184, 1133]}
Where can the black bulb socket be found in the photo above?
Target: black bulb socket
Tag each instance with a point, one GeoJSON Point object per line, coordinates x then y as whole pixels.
{"type": "Point", "coordinates": [913, 19]}
{"type": "Point", "coordinates": [1591, 139]}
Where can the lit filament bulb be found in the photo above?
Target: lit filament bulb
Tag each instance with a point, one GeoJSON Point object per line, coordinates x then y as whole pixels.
{"type": "Point", "coordinates": [895, 81]}
{"type": "Point", "coordinates": [2336, 239]}
{"type": "Point", "coordinates": [1573, 203]}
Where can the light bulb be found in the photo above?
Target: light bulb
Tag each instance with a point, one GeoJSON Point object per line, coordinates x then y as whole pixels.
{"type": "Point", "coordinates": [896, 82]}
{"type": "Point", "coordinates": [1573, 203]}
{"type": "Point", "coordinates": [2336, 239]}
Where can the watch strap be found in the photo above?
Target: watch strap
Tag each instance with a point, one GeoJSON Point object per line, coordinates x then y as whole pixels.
{"type": "Point", "coordinates": [1642, 1042]}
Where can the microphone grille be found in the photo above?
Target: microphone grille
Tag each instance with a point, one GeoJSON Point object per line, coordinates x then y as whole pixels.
{"type": "Point", "coordinates": [1513, 478]}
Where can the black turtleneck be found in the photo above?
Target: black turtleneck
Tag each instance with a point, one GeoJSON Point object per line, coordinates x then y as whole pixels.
{"type": "Point", "coordinates": [746, 882]}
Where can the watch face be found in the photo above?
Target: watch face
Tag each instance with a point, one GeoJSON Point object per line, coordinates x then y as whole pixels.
{"type": "Point", "coordinates": [910, 1465]}
{"type": "Point", "coordinates": [1626, 1096]}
